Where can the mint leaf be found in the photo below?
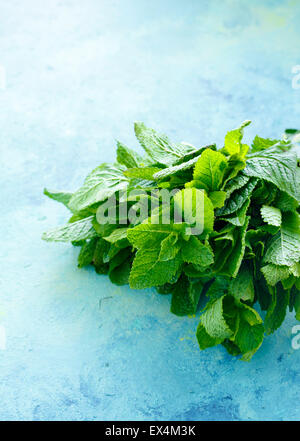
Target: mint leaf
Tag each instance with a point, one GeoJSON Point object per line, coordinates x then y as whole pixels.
{"type": "Point", "coordinates": [209, 170]}
{"type": "Point", "coordinates": [217, 198]}
{"type": "Point", "coordinates": [99, 185]}
{"type": "Point", "coordinates": [204, 339]}
{"type": "Point", "coordinates": [148, 235]}
{"type": "Point", "coordinates": [259, 143]}
{"type": "Point", "coordinates": [193, 251]}
{"type": "Point", "coordinates": [297, 304]}
{"type": "Point", "coordinates": [271, 215]}
{"type": "Point", "coordinates": [173, 170]}
{"type": "Point", "coordinates": [185, 297]}
{"type": "Point", "coordinates": [233, 140]}
{"type": "Point", "coordinates": [99, 261]}
{"type": "Point", "coordinates": [195, 206]}
{"type": "Point", "coordinates": [284, 247]}
{"type": "Point", "coordinates": [275, 273]}
{"type": "Point", "coordinates": [142, 172]}
{"type": "Point", "coordinates": [239, 217]}
{"type": "Point", "coordinates": [278, 168]}
{"type": "Point", "coordinates": [242, 287]}
{"type": "Point", "coordinates": [228, 258]}
{"type": "Point", "coordinates": [76, 231]}
{"type": "Point", "coordinates": [158, 146]}
{"type": "Point", "coordinates": [218, 288]}
{"type": "Point", "coordinates": [295, 269]}
{"type": "Point", "coordinates": [249, 338]}
{"type": "Point", "coordinates": [117, 235]}
{"type": "Point", "coordinates": [169, 247]}
{"type": "Point", "coordinates": [120, 274]}
{"type": "Point", "coordinates": [213, 321]}
{"type": "Point", "coordinates": [238, 198]}
{"type": "Point", "coordinates": [59, 196]}
{"type": "Point", "coordinates": [86, 254]}
{"type": "Point", "coordinates": [285, 202]}
{"type": "Point", "coordinates": [128, 157]}
{"type": "Point", "coordinates": [148, 271]}
{"type": "Point", "coordinates": [119, 256]}
{"type": "Point", "coordinates": [277, 310]}
{"type": "Point", "coordinates": [235, 184]}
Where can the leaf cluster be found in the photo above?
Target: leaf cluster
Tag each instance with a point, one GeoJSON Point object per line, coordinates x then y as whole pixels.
{"type": "Point", "coordinates": [245, 259]}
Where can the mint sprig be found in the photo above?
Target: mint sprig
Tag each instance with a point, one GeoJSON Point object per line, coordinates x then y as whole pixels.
{"type": "Point", "coordinates": [245, 256]}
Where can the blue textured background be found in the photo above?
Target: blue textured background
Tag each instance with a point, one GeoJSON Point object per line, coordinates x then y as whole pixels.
{"type": "Point", "coordinates": [78, 74]}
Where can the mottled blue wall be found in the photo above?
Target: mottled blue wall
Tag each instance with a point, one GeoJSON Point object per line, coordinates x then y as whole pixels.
{"type": "Point", "coordinates": [78, 73]}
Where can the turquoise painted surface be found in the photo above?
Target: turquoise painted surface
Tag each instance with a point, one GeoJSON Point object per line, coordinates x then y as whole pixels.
{"type": "Point", "coordinates": [77, 75]}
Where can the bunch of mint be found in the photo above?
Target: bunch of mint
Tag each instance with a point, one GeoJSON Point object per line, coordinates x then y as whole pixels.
{"type": "Point", "coordinates": [246, 253]}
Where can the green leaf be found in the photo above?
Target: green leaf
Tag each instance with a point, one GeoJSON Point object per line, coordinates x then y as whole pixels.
{"type": "Point", "coordinates": [148, 271]}
{"type": "Point", "coordinates": [264, 193]}
{"type": "Point", "coordinates": [120, 266]}
{"type": "Point", "coordinates": [99, 185]}
{"type": "Point", "coordinates": [249, 338]}
{"type": "Point", "coordinates": [195, 207]}
{"type": "Point", "coordinates": [271, 215]}
{"type": "Point", "coordinates": [291, 132]}
{"type": "Point", "coordinates": [148, 235]}
{"type": "Point", "coordinates": [235, 184]}
{"type": "Point", "coordinates": [233, 140]}
{"type": "Point", "coordinates": [259, 143]}
{"type": "Point", "coordinates": [247, 328]}
{"type": "Point", "coordinates": [285, 202]}
{"type": "Point", "coordinates": [275, 273]}
{"type": "Point", "coordinates": [117, 235]}
{"type": "Point", "coordinates": [297, 305]}
{"type": "Point", "coordinates": [86, 253]}
{"type": "Point", "coordinates": [204, 339]}
{"type": "Point", "coordinates": [236, 163]}
{"type": "Point", "coordinates": [80, 230]}
{"type": "Point", "coordinates": [289, 282]}
{"type": "Point", "coordinates": [118, 258]}
{"type": "Point", "coordinates": [213, 321]}
{"type": "Point", "coordinates": [185, 297]}
{"type": "Point", "coordinates": [217, 198]}
{"type": "Point", "coordinates": [142, 172]}
{"type": "Point", "coordinates": [195, 271]}
{"type": "Point", "coordinates": [169, 247]}
{"type": "Point", "coordinates": [242, 288]}
{"type": "Point", "coordinates": [175, 169]}
{"type": "Point", "coordinates": [262, 292]}
{"type": "Point", "coordinates": [218, 288]}
{"type": "Point", "coordinates": [59, 196]}
{"type": "Point", "coordinates": [284, 247]}
{"type": "Point", "coordinates": [158, 146]}
{"type": "Point", "coordinates": [231, 348]}
{"type": "Point", "coordinates": [277, 310]}
{"type": "Point", "coordinates": [103, 230]}
{"type": "Point", "coordinates": [120, 275]}
{"type": "Point", "coordinates": [239, 217]}
{"type": "Point", "coordinates": [228, 258]}
{"type": "Point", "coordinates": [237, 199]}
{"type": "Point", "coordinates": [295, 269]}
{"type": "Point", "coordinates": [101, 250]}
{"type": "Point", "coordinates": [196, 252]}
{"type": "Point", "coordinates": [209, 170]}
{"type": "Point", "coordinates": [278, 168]}
{"type": "Point", "coordinates": [128, 157]}
{"type": "Point", "coordinates": [193, 152]}
{"type": "Point", "coordinates": [250, 315]}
